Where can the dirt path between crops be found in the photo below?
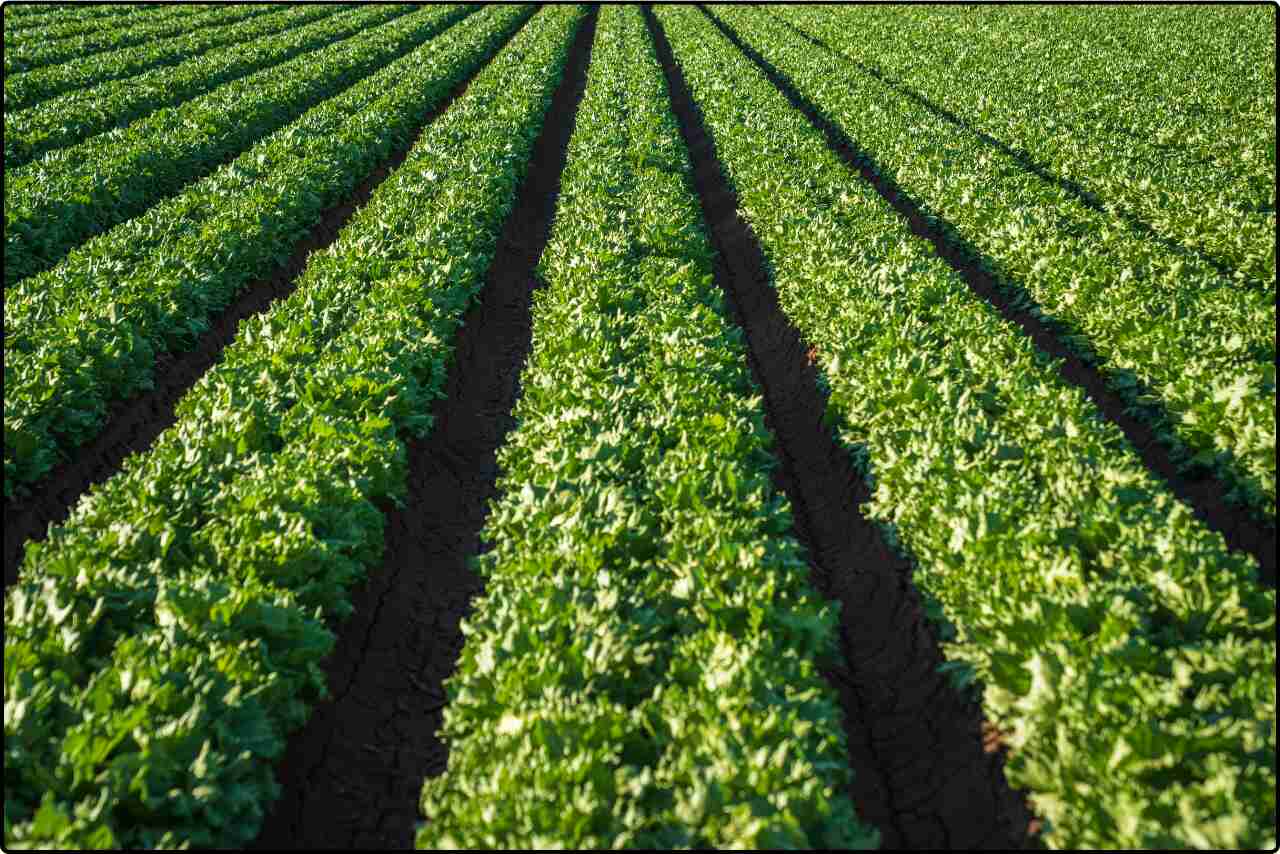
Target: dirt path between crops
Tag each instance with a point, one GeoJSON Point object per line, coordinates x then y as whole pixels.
{"type": "Point", "coordinates": [133, 425]}
{"type": "Point", "coordinates": [922, 774]}
{"type": "Point", "coordinates": [1204, 493]}
{"type": "Point", "coordinates": [352, 776]}
{"type": "Point", "coordinates": [1025, 161]}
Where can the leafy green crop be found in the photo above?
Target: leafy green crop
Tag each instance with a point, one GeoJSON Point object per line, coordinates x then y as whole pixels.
{"type": "Point", "coordinates": [59, 21]}
{"type": "Point", "coordinates": [164, 639]}
{"type": "Point", "coordinates": [25, 18]}
{"type": "Point", "coordinates": [106, 103]}
{"type": "Point", "coordinates": [156, 35]}
{"type": "Point", "coordinates": [88, 78]}
{"type": "Point", "coordinates": [76, 340]}
{"type": "Point", "coordinates": [641, 671]}
{"type": "Point", "coordinates": [1166, 114]}
{"type": "Point", "coordinates": [1183, 345]}
{"type": "Point", "coordinates": [1126, 653]}
{"type": "Point", "coordinates": [56, 203]}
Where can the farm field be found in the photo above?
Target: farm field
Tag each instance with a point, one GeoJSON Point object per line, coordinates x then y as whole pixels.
{"type": "Point", "coordinates": [620, 426]}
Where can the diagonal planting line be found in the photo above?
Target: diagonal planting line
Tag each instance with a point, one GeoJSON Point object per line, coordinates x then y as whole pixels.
{"type": "Point", "coordinates": [1204, 493]}
{"type": "Point", "coordinates": [52, 28]}
{"type": "Point", "coordinates": [68, 20]}
{"type": "Point", "coordinates": [1086, 197]}
{"type": "Point", "coordinates": [40, 100]}
{"type": "Point", "coordinates": [59, 202]}
{"type": "Point", "coordinates": [921, 774]}
{"type": "Point", "coordinates": [128, 39]}
{"type": "Point", "coordinates": [361, 344]}
{"type": "Point", "coordinates": [135, 423]}
{"type": "Point", "coordinates": [352, 775]}
{"type": "Point", "coordinates": [75, 116]}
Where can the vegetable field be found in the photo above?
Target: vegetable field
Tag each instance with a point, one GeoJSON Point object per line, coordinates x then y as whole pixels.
{"type": "Point", "coordinates": [675, 426]}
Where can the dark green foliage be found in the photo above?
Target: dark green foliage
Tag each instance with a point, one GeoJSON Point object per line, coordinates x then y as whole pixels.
{"type": "Point", "coordinates": [1178, 341]}
{"type": "Point", "coordinates": [642, 669]}
{"type": "Point", "coordinates": [56, 203]}
{"type": "Point", "coordinates": [140, 41]}
{"type": "Point", "coordinates": [161, 643]}
{"type": "Point", "coordinates": [87, 332]}
{"type": "Point", "coordinates": [110, 94]}
{"type": "Point", "coordinates": [1098, 615]}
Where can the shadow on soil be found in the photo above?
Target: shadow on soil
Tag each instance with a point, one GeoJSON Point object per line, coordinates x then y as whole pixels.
{"type": "Point", "coordinates": [1149, 431]}
{"type": "Point", "coordinates": [923, 774]}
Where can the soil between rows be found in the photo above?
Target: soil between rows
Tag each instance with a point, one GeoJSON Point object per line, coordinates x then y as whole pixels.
{"type": "Point", "coordinates": [132, 425]}
{"type": "Point", "coordinates": [1086, 197]}
{"type": "Point", "coordinates": [352, 776]}
{"type": "Point", "coordinates": [208, 168]}
{"type": "Point", "coordinates": [922, 774]}
{"type": "Point", "coordinates": [1204, 493]}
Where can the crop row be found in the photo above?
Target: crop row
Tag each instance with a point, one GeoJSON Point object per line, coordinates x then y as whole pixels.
{"type": "Point", "coordinates": [1126, 655]}
{"type": "Point", "coordinates": [1168, 117]}
{"type": "Point", "coordinates": [159, 37]}
{"type": "Point", "coordinates": [1190, 350]}
{"type": "Point", "coordinates": [77, 340]}
{"type": "Point", "coordinates": [62, 22]}
{"type": "Point", "coordinates": [56, 203]}
{"type": "Point", "coordinates": [23, 92]}
{"type": "Point", "coordinates": [77, 115]}
{"type": "Point", "coordinates": [19, 16]}
{"type": "Point", "coordinates": [641, 670]}
{"type": "Point", "coordinates": [160, 644]}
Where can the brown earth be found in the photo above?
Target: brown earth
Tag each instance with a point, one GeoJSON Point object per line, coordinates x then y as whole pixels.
{"type": "Point", "coordinates": [1204, 493]}
{"type": "Point", "coordinates": [133, 425]}
{"type": "Point", "coordinates": [352, 776]}
{"type": "Point", "coordinates": [922, 773]}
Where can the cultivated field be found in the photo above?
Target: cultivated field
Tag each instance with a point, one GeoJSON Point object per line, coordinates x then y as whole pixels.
{"type": "Point", "coordinates": [621, 426]}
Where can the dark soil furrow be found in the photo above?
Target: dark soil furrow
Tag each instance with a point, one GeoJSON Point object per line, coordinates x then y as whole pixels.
{"type": "Point", "coordinates": [1204, 493]}
{"type": "Point", "coordinates": [352, 776]}
{"type": "Point", "coordinates": [132, 425]}
{"type": "Point", "coordinates": [921, 774]}
{"type": "Point", "coordinates": [1026, 161]}
{"type": "Point", "coordinates": [197, 172]}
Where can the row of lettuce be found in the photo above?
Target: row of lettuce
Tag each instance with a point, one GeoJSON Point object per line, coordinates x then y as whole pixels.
{"type": "Point", "coordinates": [161, 643]}
{"type": "Point", "coordinates": [71, 194]}
{"type": "Point", "coordinates": [24, 19]}
{"type": "Point", "coordinates": [104, 102]}
{"type": "Point", "coordinates": [28, 94]}
{"type": "Point", "coordinates": [85, 334]}
{"type": "Point", "coordinates": [646, 639]}
{"type": "Point", "coordinates": [67, 21]}
{"type": "Point", "coordinates": [1126, 654]}
{"type": "Point", "coordinates": [1189, 349]}
{"type": "Point", "coordinates": [1168, 115]}
{"type": "Point", "coordinates": [176, 28]}
{"type": "Point", "coordinates": [641, 670]}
